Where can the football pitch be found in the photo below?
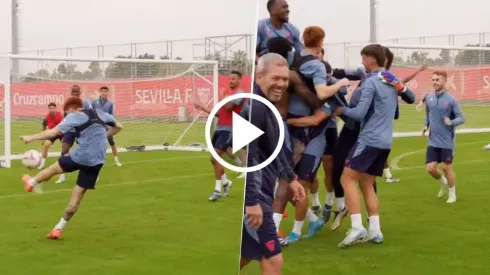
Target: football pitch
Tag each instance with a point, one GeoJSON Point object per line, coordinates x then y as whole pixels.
{"type": "Point", "coordinates": [423, 234]}
{"type": "Point", "coordinates": [150, 216]}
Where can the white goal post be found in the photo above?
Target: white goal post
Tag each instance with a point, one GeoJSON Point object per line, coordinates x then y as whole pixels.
{"type": "Point", "coordinates": [468, 70]}
{"type": "Point", "coordinates": [153, 98]}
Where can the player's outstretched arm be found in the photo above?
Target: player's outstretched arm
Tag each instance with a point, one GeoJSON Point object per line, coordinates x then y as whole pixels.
{"type": "Point", "coordinates": [408, 96]}
{"type": "Point", "coordinates": [353, 75]}
{"type": "Point", "coordinates": [359, 112]}
{"type": "Point", "coordinates": [323, 91]}
{"type": "Point", "coordinates": [109, 120]}
{"type": "Point", "coordinates": [44, 135]}
{"type": "Point", "coordinates": [413, 75]}
{"type": "Point", "coordinates": [458, 113]}
{"type": "Point", "coordinates": [302, 90]}
{"type": "Point", "coordinates": [311, 121]}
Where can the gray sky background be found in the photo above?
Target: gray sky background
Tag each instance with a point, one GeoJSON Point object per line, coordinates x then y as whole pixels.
{"type": "Point", "coordinates": [48, 24]}
{"type": "Point", "coordinates": [348, 20]}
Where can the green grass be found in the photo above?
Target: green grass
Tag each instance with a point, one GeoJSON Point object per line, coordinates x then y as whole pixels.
{"type": "Point", "coordinates": [423, 234]}
{"type": "Point", "coordinates": [150, 216]}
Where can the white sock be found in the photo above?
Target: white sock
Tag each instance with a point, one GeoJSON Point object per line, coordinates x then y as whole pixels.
{"type": "Point", "coordinates": [387, 172]}
{"type": "Point", "coordinates": [238, 161]}
{"type": "Point", "coordinates": [217, 186]}
{"type": "Point", "coordinates": [62, 177]}
{"type": "Point", "coordinates": [443, 180]}
{"type": "Point", "coordinates": [340, 203]}
{"type": "Point", "coordinates": [298, 227]}
{"type": "Point", "coordinates": [43, 161]}
{"type": "Point", "coordinates": [374, 224]}
{"type": "Point", "coordinates": [224, 179]}
{"type": "Point", "coordinates": [32, 182]}
{"type": "Point", "coordinates": [311, 216]}
{"type": "Point", "coordinates": [329, 198]}
{"type": "Point", "coordinates": [61, 224]}
{"type": "Point", "coordinates": [316, 200]}
{"type": "Point", "coordinates": [116, 159]}
{"type": "Point", "coordinates": [356, 221]}
{"type": "Point", "coordinates": [452, 191]}
{"type": "Point", "coordinates": [277, 220]}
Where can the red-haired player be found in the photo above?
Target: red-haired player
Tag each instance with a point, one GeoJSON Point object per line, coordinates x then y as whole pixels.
{"type": "Point", "coordinates": [51, 120]}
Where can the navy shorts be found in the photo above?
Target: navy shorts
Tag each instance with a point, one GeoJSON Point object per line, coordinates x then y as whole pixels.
{"type": "Point", "coordinates": [260, 243]}
{"type": "Point", "coordinates": [54, 139]}
{"type": "Point", "coordinates": [439, 155]}
{"type": "Point", "coordinates": [331, 135]}
{"type": "Point", "coordinates": [222, 140]}
{"type": "Point", "coordinates": [69, 138]}
{"type": "Point", "coordinates": [111, 141]}
{"type": "Point", "coordinates": [87, 175]}
{"type": "Point", "coordinates": [307, 167]}
{"type": "Point", "coordinates": [367, 159]}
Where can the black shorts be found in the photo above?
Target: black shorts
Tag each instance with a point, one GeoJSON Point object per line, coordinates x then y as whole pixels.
{"type": "Point", "coordinates": [439, 155]}
{"type": "Point", "coordinates": [87, 175]}
{"type": "Point", "coordinates": [307, 167]}
{"type": "Point", "coordinates": [54, 139]}
{"type": "Point", "coordinates": [222, 140]}
{"type": "Point", "coordinates": [367, 159]}
{"type": "Point", "coordinates": [331, 135]}
{"type": "Point", "coordinates": [260, 243]}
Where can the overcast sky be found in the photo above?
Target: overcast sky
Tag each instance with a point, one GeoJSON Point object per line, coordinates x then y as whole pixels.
{"type": "Point", "coordinates": [48, 24]}
{"type": "Point", "coordinates": [348, 20]}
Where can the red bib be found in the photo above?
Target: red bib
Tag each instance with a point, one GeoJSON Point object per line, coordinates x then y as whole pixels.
{"type": "Point", "coordinates": [52, 122]}
{"type": "Point", "coordinates": [225, 118]}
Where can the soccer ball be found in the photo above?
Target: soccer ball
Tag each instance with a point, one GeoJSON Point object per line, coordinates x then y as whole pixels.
{"type": "Point", "coordinates": [31, 159]}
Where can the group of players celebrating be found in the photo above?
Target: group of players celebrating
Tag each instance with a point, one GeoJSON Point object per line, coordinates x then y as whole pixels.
{"type": "Point", "coordinates": [91, 125]}
{"type": "Point", "coordinates": [310, 97]}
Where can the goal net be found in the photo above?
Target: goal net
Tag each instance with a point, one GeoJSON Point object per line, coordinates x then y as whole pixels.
{"type": "Point", "coordinates": [468, 70]}
{"type": "Point", "coordinates": [154, 99]}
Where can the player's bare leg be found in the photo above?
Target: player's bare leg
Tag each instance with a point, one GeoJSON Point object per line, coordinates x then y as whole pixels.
{"type": "Point", "coordinates": [65, 149]}
{"type": "Point", "coordinates": [32, 183]}
{"type": "Point", "coordinates": [282, 196]}
{"type": "Point", "coordinates": [327, 162]}
{"type": "Point", "coordinates": [349, 181]}
{"type": "Point", "coordinates": [387, 172]}
{"type": "Point", "coordinates": [272, 266]}
{"type": "Point", "coordinates": [366, 183]}
{"type": "Point", "coordinates": [315, 204]}
{"type": "Point", "coordinates": [239, 160]}
{"type": "Point", "coordinates": [434, 172]}
{"type": "Point", "coordinates": [46, 145]}
{"type": "Point", "coordinates": [115, 154]}
{"type": "Point", "coordinates": [71, 209]}
{"type": "Point", "coordinates": [221, 179]}
{"type": "Point", "coordinates": [451, 181]}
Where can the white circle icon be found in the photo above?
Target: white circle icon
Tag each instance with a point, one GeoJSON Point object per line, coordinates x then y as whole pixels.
{"type": "Point", "coordinates": [240, 132]}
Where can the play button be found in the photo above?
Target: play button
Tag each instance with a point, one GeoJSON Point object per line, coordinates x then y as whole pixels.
{"type": "Point", "coordinates": [244, 132]}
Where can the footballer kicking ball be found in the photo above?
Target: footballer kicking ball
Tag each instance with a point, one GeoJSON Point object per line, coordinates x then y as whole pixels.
{"type": "Point", "coordinates": [31, 159]}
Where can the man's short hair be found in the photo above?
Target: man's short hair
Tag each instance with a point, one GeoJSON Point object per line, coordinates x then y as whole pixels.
{"type": "Point", "coordinates": [279, 45]}
{"type": "Point", "coordinates": [441, 73]}
{"type": "Point", "coordinates": [389, 57]}
{"type": "Point", "coordinates": [375, 51]}
{"type": "Point", "coordinates": [268, 60]}
{"type": "Point", "coordinates": [239, 74]}
{"type": "Point", "coordinates": [75, 88]}
{"type": "Point", "coordinates": [104, 88]}
{"type": "Point", "coordinates": [313, 35]}
{"type": "Point", "coordinates": [270, 4]}
{"type": "Point", "coordinates": [52, 104]}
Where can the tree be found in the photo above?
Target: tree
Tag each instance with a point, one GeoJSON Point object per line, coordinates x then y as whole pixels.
{"type": "Point", "coordinates": [239, 61]}
{"type": "Point", "coordinates": [472, 57]}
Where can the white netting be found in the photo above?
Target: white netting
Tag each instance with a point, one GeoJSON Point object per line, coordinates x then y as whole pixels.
{"type": "Point", "coordinates": [468, 70]}
{"type": "Point", "coordinates": [152, 98]}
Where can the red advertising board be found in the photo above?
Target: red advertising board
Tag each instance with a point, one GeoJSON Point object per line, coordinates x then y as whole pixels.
{"type": "Point", "coordinates": [165, 97]}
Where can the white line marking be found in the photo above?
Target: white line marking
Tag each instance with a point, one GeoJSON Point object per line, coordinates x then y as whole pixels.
{"type": "Point", "coordinates": [395, 161]}
{"type": "Point", "coordinates": [107, 185]}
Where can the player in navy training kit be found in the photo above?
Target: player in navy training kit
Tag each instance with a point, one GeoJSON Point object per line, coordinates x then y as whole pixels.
{"type": "Point", "coordinates": [443, 115]}
{"type": "Point", "coordinates": [259, 238]}
{"type": "Point", "coordinates": [104, 104]}
{"type": "Point", "coordinates": [70, 137]}
{"type": "Point", "coordinates": [376, 110]}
